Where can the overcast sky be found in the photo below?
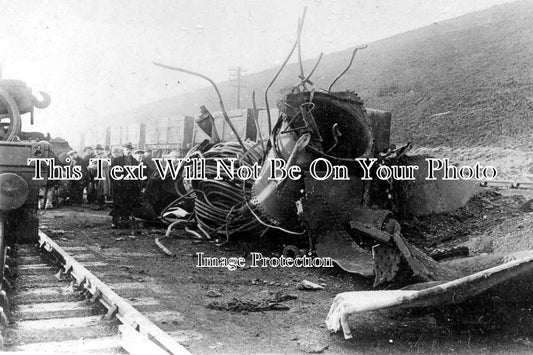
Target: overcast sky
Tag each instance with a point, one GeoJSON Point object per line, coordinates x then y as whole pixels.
{"type": "Point", "coordinates": [95, 57]}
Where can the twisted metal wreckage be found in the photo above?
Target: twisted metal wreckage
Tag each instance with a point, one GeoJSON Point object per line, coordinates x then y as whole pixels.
{"type": "Point", "coordinates": [352, 221]}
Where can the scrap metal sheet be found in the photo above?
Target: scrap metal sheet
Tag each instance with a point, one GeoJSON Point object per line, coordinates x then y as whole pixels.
{"type": "Point", "coordinates": [451, 292]}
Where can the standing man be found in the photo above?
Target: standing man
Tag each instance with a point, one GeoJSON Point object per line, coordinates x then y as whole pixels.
{"type": "Point", "coordinates": [102, 187]}
{"type": "Point", "coordinates": [148, 161]}
{"type": "Point", "coordinates": [88, 178]}
{"type": "Point", "coordinates": [139, 155]}
{"type": "Point", "coordinates": [126, 193]}
{"type": "Point", "coordinates": [75, 187]}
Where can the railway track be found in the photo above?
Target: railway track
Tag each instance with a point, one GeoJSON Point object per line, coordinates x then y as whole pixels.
{"type": "Point", "coordinates": [57, 304]}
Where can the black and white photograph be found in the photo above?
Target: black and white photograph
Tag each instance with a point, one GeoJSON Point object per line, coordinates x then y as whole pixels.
{"type": "Point", "coordinates": [266, 177]}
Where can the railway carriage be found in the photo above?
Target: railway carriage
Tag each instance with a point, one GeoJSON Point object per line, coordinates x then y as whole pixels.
{"type": "Point", "coordinates": [176, 133]}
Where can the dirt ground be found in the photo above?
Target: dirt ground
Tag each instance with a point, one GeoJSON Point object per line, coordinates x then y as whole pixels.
{"type": "Point", "coordinates": [186, 290]}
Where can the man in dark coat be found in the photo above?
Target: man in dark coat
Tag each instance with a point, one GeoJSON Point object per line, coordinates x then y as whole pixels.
{"type": "Point", "coordinates": [102, 187]}
{"type": "Point", "coordinates": [148, 161]}
{"type": "Point", "coordinates": [126, 193]}
{"type": "Point", "coordinates": [75, 187]}
{"type": "Point", "coordinates": [88, 178]}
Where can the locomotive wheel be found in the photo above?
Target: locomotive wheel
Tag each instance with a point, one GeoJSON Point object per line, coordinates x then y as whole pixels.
{"type": "Point", "coordinates": [11, 123]}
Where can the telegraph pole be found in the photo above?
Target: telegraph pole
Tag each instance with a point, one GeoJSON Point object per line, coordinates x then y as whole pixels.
{"type": "Point", "coordinates": [236, 75]}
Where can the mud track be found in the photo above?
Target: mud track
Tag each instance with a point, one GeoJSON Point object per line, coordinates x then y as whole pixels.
{"type": "Point", "coordinates": [181, 292]}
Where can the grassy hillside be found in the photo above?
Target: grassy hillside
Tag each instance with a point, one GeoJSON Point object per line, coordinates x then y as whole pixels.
{"type": "Point", "coordinates": [478, 69]}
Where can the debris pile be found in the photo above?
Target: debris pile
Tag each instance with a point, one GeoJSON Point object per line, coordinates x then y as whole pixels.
{"type": "Point", "coordinates": [336, 204]}
{"type": "Point", "coordinates": [271, 304]}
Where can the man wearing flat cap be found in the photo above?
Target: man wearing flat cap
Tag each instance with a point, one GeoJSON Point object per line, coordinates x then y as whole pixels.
{"type": "Point", "coordinates": [102, 187]}
{"type": "Point", "coordinates": [126, 193]}
{"type": "Point", "coordinates": [139, 155]}
{"type": "Point", "coordinates": [88, 178]}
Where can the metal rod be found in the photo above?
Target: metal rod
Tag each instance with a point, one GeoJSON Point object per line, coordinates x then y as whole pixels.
{"type": "Point", "coordinates": [307, 79]}
{"type": "Point", "coordinates": [347, 68]}
{"type": "Point", "coordinates": [272, 82]}
{"type": "Point", "coordinates": [256, 118]}
{"type": "Point", "coordinates": [314, 68]}
{"type": "Point", "coordinates": [277, 74]}
{"type": "Point", "coordinates": [274, 79]}
{"type": "Point", "coordinates": [221, 102]}
{"type": "Point", "coordinates": [299, 36]}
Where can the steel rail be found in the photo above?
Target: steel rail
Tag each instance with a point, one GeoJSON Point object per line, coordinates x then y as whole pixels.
{"type": "Point", "coordinates": [116, 305]}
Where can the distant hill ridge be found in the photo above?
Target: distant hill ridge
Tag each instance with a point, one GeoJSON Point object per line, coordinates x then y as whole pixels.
{"type": "Point", "coordinates": [461, 82]}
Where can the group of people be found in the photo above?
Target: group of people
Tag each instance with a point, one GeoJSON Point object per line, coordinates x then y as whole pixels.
{"type": "Point", "coordinates": [125, 195]}
{"type": "Point", "coordinates": [97, 191]}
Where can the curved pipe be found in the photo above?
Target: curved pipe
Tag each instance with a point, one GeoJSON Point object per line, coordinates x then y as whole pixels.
{"type": "Point", "coordinates": [221, 102]}
{"type": "Point", "coordinates": [300, 27]}
{"type": "Point", "coordinates": [300, 145]}
{"type": "Point", "coordinates": [307, 79]}
{"type": "Point", "coordinates": [272, 82]}
{"type": "Point", "coordinates": [347, 68]}
{"type": "Point", "coordinates": [41, 104]}
{"type": "Point", "coordinates": [300, 23]}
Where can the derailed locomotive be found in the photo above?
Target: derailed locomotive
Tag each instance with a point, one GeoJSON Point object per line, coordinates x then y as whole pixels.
{"type": "Point", "coordinates": [337, 128]}
{"type": "Point", "coordinates": [353, 221]}
{"type": "Point", "coordinates": [19, 193]}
